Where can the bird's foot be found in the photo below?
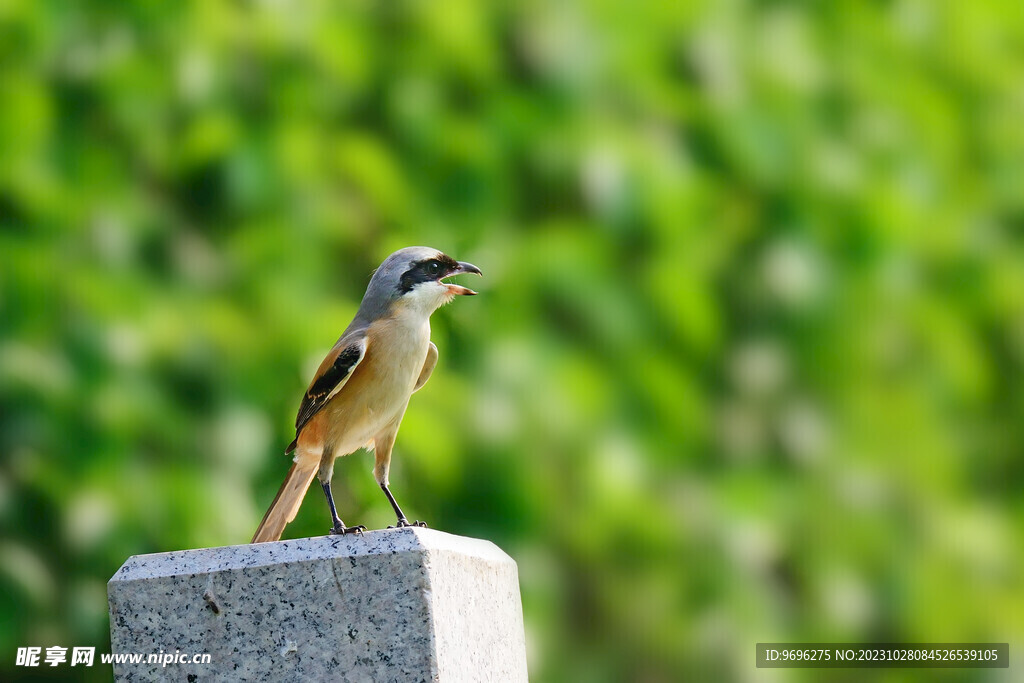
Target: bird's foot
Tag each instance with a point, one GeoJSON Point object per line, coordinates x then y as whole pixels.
{"type": "Point", "coordinates": [341, 529]}
{"type": "Point", "coordinates": [403, 522]}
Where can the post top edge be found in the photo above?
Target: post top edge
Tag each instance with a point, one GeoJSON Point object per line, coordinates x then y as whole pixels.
{"type": "Point", "coordinates": [370, 543]}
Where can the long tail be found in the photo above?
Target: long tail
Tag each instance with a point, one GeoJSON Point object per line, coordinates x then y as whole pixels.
{"type": "Point", "coordinates": [288, 499]}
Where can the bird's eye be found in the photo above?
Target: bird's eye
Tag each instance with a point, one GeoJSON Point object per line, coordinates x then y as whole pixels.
{"type": "Point", "coordinates": [434, 268]}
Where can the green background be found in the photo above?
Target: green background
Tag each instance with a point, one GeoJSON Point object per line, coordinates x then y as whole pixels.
{"type": "Point", "coordinates": [747, 360]}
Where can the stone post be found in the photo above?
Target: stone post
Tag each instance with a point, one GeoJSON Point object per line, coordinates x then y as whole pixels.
{"type": "Point", "coordinates": [400, 605]}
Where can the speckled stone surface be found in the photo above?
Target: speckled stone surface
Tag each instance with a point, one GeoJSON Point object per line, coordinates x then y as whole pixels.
{"type": "Point", "coordinates": [393, 605]}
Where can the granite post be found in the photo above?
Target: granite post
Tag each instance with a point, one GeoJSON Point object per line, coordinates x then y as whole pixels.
{"type": "Point", "coordinates": [406, 604]}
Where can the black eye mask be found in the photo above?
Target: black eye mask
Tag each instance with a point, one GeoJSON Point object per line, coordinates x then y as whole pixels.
{"type": "Point", "coordinates": [426, 271]}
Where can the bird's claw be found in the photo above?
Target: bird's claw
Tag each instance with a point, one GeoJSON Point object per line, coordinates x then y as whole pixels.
{"type": "Point", "coordinates": [403, 522]}
{"type": "Point", "coordinates": [341, 529]}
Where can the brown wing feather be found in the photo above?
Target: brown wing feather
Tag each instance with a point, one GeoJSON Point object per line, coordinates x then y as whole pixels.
{"type": "Point", "coordinates": [428, 367]}
{"type": "Point", "coordinates": [334, 372]}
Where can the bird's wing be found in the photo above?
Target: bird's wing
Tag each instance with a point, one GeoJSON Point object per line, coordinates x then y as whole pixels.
{"type": "Point", "coordinates": [428, 367]}
{"type": "Point", "coordinates": [334, 372]}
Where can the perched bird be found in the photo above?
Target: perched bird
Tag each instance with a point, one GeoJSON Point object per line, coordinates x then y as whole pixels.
{"type": "Point", "coordinates": [359, 394]}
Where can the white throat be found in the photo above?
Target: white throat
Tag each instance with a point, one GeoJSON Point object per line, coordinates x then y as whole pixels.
{"type": "Point", "coordinates": [424, 299]}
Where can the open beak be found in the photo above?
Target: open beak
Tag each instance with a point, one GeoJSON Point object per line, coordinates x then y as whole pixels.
{"type": "Point", "coordinates": [459, 289]}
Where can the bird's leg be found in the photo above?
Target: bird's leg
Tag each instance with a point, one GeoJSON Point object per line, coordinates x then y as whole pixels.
{"type": "Point", "coordinates": [339, 527]}
{"type": "Point", "coordinates": [402, 521]}
{"type": "Point", "coordinates": [383, 443]}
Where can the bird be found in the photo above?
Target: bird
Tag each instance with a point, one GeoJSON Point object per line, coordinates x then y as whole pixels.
{"type": "Point", "coordinates": [360, 392]}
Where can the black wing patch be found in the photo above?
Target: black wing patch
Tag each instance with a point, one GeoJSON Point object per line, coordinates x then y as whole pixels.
{"type": "Point", "coordinates": [329, 380]}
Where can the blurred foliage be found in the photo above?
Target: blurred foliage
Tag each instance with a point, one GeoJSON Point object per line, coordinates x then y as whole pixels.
{"type": "Point", "coordinates": [747, 362]}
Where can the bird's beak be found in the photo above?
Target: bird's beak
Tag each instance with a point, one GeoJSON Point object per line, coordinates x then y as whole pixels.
{"type": "Point", "coordinates": [468, 268]}
{"type": "Point", "coordinates": [459, 289]}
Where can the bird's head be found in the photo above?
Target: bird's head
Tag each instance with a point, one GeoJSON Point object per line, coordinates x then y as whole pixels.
{"type": "Point", "coordinates": [413, 278]}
